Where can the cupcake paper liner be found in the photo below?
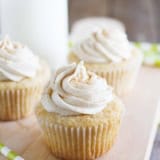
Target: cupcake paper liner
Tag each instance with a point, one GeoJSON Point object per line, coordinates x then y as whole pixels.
{"type": "Point", "coordinates": [79, 143]}
{"type": "Point", "coordinates": [121, 79]}
{"type": "Point", "coordinates": [18, 103]}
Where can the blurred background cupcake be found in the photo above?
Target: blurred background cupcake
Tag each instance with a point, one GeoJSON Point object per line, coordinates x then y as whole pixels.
{"type": "Point", "coordinates": [23, 77]}
{"type": "Point", "coordinates": [79, 114]}
{"type": "Point", "coordinates": [108, 53]}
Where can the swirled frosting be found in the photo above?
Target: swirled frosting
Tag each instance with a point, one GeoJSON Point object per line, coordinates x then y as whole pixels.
{"type": "Point", "coordinates": [104, 45]}
{"type": "Point", "coordinates": [77, 91]}
{"type": "Point", "coordinates": [83, 27]}
{"type": "Point", "coordinates": [16, 61]}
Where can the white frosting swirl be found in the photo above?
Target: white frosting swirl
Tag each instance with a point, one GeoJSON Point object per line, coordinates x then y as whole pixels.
{"type": "Point", "coordinates": [16, 61]}
{"type": "Point", "coordinates": [77, 91]}
{"type": "Point", "coordinates": [105, 45]}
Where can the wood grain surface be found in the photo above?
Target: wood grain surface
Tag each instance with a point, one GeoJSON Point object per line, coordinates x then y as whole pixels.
{"type": "Point", "coordinates": [141, 18]}
{"type": "Point", "coordinates": [134, 142]}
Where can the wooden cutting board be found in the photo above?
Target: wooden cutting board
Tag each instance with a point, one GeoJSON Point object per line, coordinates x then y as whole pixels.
{"type": "Point", "coordinates": [134, 141]}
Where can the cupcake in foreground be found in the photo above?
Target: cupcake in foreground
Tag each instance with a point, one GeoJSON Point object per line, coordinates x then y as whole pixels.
{"type": "Point", "coordinates": [109, 54]}
{"type": "Point", "coordinates": [79, 114]}
{"type": "Point", "coordinates": [22, 80]}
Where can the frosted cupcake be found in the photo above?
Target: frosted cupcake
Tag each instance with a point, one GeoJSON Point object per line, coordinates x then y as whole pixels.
{"type": "Point", "coordinates": [109, 54]}
{"type": "Point", "coordinates": [22, 79]}
{"type": "Point", "coordinates": [79, 114]}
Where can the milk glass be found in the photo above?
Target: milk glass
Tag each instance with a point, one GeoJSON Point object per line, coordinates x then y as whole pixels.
{"type": "Point", "coordinates": [40, 24]}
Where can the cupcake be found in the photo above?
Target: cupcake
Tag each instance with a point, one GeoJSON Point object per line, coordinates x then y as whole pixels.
{"type": "Point", "coordinates": [79, 114]}
{"type": "Point", "coordinates": [108, 53]}
{"type": "Point", "coordinates": [23, 77]}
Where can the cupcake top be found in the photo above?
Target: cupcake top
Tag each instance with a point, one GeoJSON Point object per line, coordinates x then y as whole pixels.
{"type": "Point", "coordinates": [16, 61]}
{"type": "Point", "coordinates": [75, 91]}
{"type": "Point", "coordinates": [85, 26]}
{"type": "Point", "coordinates": [104, 45]}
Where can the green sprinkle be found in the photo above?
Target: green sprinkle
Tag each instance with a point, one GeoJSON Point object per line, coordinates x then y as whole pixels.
{"type": "Point", "coordinates": [12, 155]}
{"type": "Point", "coordinates": [1, 146]}
{"type": "Point", "coordinates": [150, 55]}
{"type": "Point", "coordinates": [137, 44]}
{"type": "Point", "coordinates": [157, 64]}
{"type": "Point", "coordinates": [70, 44]}
{"type": "Point", "coordinates": [154, 47]}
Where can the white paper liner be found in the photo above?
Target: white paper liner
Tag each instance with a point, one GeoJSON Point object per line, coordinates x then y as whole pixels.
{"type": "Point", "coordinates": [79, 143]}
{"type": "Point", "coordinates": [18, 103]}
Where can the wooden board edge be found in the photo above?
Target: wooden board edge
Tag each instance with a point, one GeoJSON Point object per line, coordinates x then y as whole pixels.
{"type": "Point", "coordinates": [153, 133]}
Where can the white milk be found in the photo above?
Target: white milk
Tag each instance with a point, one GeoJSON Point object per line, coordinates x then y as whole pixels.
{"type": "Point", "coordinates": [40, 24]}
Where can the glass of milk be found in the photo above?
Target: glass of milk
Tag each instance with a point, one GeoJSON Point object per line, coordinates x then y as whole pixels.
{"type": "Point", "coordinates": [40, 24]}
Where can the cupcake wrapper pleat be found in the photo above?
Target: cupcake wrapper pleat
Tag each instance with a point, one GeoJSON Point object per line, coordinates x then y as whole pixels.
{"type": "Point", "coordinates": [79, 143]}
{"type": "Point", "coordinates": [18, 103]}
{"type": "Point", "coordinates": [121, 80]}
